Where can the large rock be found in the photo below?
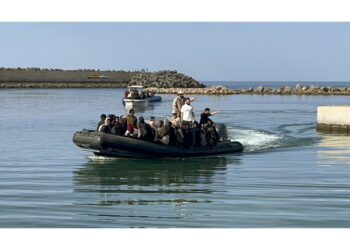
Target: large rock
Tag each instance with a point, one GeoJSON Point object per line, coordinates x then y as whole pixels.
{"type": "Point", "coordinates": [314, 88]}
{"type": "Point", "coordinates": [305, 88]}
{"type": "Point", "coordinates": [286, 90]}
{"type": "Point", "coordinates": [165, 79]}
{"type": "Point", "coordinates": [260, 89]}
{"type": "Point", "coordinates": [324, 89]}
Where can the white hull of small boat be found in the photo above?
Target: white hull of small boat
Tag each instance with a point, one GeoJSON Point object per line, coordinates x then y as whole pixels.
{"type": "Point", "coordinates": [135, 102]}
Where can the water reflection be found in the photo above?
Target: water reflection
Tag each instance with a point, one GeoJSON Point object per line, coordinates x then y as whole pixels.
{"type": "Point", "coordinates": [157, 189]}
{"type": "Point", "coordinates": [140, 108]}
{"type": "Point", "coordinates": [334, 149]}
{"type": "Point", "coordinates": [145, 182]}
{"type": "Point", "coordinates": [162, 172]}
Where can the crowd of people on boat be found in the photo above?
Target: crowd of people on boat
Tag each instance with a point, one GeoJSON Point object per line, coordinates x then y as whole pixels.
{"type": "Point", "coordinates": [180, 130]}
{"type": "Point", "coordinates": [135, 94]}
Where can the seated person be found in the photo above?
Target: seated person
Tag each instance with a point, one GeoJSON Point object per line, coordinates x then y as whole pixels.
{"type": "Point", "coordinates": [203, 132]}
{"type": "Point", "coordinates": [205, 116]}
{"type": "Point", "coordinates": [162, 133]}
{"type": "Point", "coordinates": [112, 116]}
{"type": "Point", "coordinates": [151, 122]}
{"type": "Point", "coordinates": [102, 121]}
{"type": "Point", "coordinates": [126, 94]}
{"type": "Point", "coordinates": [131, 118]}
{"type": "Point", "coordinates": [212, 135]}
{"type": "Point", "coordinates": [123, 125]}
{"type": "Point", "coordinates": [175, 120]}
{"type": "Point", "coordinates": [179, 135]}
{"type": "Point", "coordinates": [196, 134]}
{"type": "Point", "coordinates": [106, 128]}
{"type": "Point", "coordinates": [131, 131]}
{"type": "Point", "coordinates": [172, 136]}
{"type": "Point", "coordinates": [143, 129]}
{"type": "Point", "coordinates": [117, 127]}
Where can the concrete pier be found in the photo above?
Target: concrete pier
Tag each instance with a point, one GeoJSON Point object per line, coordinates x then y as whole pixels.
{"type": "Point", "coordinates": [333, 119]}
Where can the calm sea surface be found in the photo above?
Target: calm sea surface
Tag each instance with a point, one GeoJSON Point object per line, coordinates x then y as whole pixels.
{"type": "Point", "coordinates": [288, 175]}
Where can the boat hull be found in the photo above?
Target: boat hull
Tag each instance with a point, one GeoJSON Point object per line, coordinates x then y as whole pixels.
{"type": "Point", "coordinates": [136, 101]}
{"type": "Point", "coordinates": [155, 98]}
{"type": "Point", "coordinates": [120, 146]}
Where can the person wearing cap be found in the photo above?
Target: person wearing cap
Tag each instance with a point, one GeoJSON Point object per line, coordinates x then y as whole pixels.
{"type": "Point", "coordinates": [205, 116]}
{"type": "Point", "coordinates": [187, 113]}
{"type": "Point", "coordinates": [106, 128]}
{"type": "Point", "coordinates": [178, 102]}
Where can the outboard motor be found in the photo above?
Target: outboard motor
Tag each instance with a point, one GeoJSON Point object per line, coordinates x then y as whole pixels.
{"type": "Point", "coordinates": [222, 131]}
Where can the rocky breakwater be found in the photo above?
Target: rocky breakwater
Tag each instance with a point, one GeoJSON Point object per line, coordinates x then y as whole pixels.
{"type": "Point", "coordinates": [297, 90]}
{"type": "Point", "coordinates": [261, 90]}
{"type": "Point", "coordinates": [213, 90]}
{"type": "Point", "coordinates": [165, 79]}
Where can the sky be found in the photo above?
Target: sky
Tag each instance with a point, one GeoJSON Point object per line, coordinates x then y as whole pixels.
{"type": "Point", "coordinates": [206, 51]}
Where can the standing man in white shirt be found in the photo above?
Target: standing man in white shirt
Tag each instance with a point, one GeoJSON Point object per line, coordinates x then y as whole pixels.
{"type": "Point", "coordinates": [187, 112]}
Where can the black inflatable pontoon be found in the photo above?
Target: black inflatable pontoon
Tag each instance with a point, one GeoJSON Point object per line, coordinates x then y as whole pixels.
{"type": "Point", "coordinates": [103, 144]}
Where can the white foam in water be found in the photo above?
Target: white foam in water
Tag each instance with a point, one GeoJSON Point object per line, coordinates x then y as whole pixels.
{"type": "Point", "coordinates": [100, 158]}
{"type": "Point", "coordinates": [254, 140]}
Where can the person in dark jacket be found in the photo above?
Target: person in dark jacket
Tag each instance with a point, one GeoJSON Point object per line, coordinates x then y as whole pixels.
{"type": "Point", "coordinates": [123, 125]}
{"type": "Point", "coordinates": [205, 116]}
{"type": "Point", "coordinates": [212, 135]}
{"type": "Point", "coordinates": [172, 136]}
{"type": "Point", "coordinates": [117, 127]}
{"type": "Point", "coordinates": [187, 135]}
{"type": "Point", "coordinates": [180, 136]}
{"type": "Point", "coordinates": [162, 133]}
{"type": "Point", "coordinates": [196, 133]}
{"type": "Point", "coordinates": [144, 130]}
{"type": "Point", "coordinates": [102, 121]}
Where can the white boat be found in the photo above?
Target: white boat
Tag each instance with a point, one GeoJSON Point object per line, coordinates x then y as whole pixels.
{"type": "Point", "coordinates": [136, 96]}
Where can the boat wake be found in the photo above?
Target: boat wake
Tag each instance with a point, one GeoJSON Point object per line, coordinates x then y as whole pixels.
{"type": "Point", "coordinates": [255, 140]}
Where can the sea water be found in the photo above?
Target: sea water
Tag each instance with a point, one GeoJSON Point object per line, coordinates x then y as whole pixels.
{"type": "Point", "coordinates": [287, 176]}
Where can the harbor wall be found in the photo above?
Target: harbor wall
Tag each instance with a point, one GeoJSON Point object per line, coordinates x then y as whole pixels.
{"type": "Point", "coordinates": [62, 76]}
{"type": "Point", "coordinates": [58, 78]}
{"type": "Point", "coordinates": [333, 119]}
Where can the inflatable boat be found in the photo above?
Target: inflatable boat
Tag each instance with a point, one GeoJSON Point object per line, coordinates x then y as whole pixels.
{"type": "Point", "coordinates": [103, 144]}
{"type": "Point", "coordinates": [155, 98]}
